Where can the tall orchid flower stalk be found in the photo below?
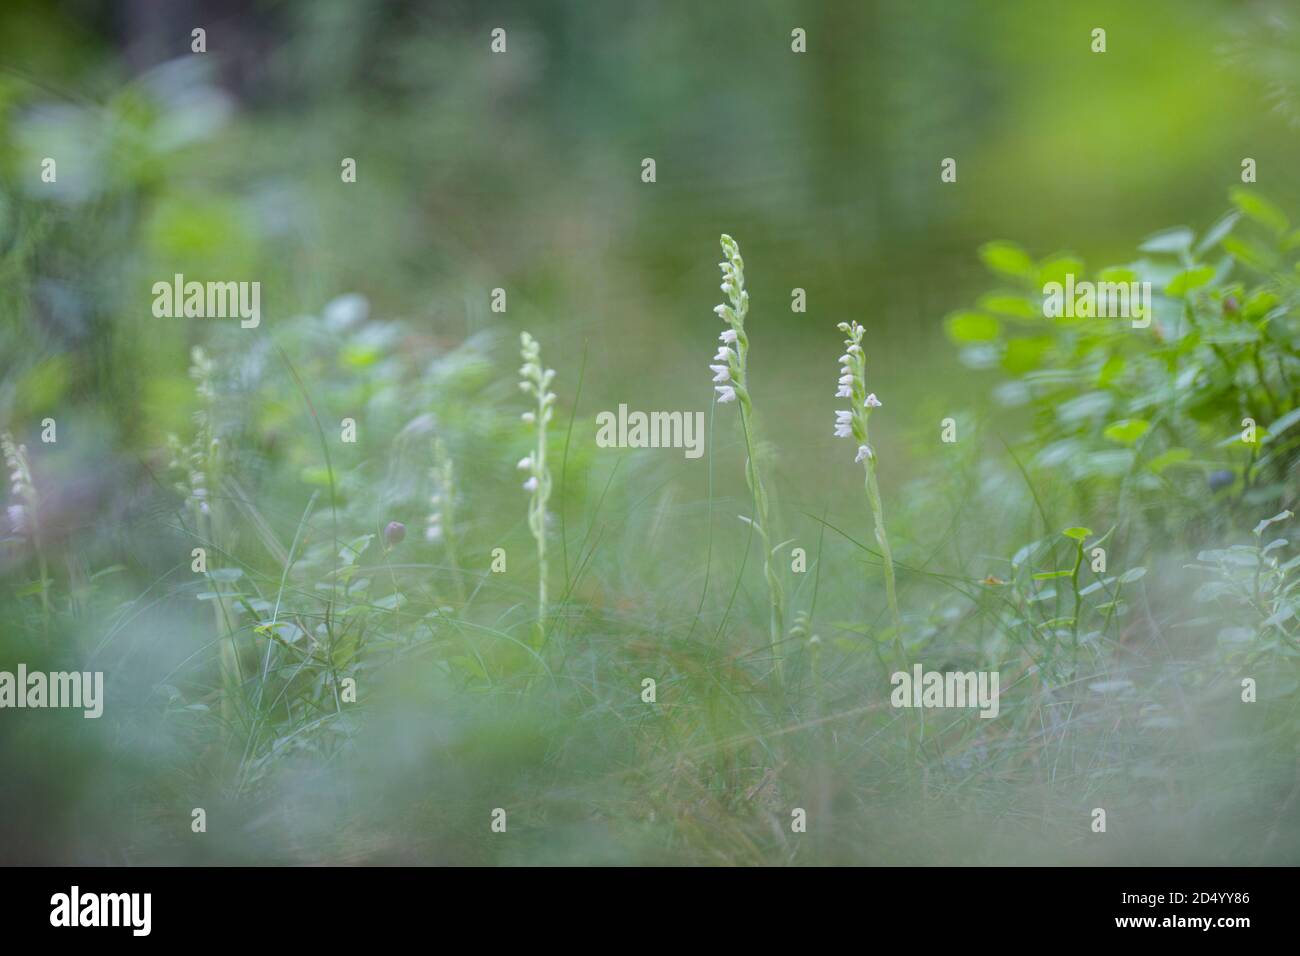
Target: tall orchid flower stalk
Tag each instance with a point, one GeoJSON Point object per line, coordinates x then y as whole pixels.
{"type": "Point", "coordinates": [440, 525]}
{"type": "Point", "coordinates": [23, 510]}
{"type": "Point", "coordinates": [731, 382]}
{"type": "Point", "coordinates": [197, 465]}
{"type": "Point", "coordinates": [852, 423]}
{"type": "Point", "coordinates": [536, 382]}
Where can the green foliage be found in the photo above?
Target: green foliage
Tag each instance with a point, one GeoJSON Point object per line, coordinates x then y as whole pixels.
{"type": "Point", "coordinates": [1153, 411]}
{"type": "Point", "coordinates": [1257, 588]}
{"type": "Point", "coordinates": [234, 685]}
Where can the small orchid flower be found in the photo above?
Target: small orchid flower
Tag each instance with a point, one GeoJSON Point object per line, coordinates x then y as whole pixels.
{"type": "Point", "coordinates": [843, 424]}
{"type": "Point", "coordinates": [730, 361]}
{"type": "Point", "coordinates": [440, 523]}
{"type": "Point", "coordinates": [536, 381]}
{"type": "Point", "coordinates": [22, 512]}
{"type": "Point", "coordinates": [731, 383]}
{"type": "Point", "coordinates": [853, 423]}
{"type": "Point", "coordinates": [851, 385]}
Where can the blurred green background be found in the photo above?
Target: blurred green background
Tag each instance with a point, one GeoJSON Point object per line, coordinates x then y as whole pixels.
{"type": "Point", "coordinates": [522, 171]}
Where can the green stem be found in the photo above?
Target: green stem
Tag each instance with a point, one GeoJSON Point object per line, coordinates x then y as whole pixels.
{"type": "Point", "coordinates": [1078, 598]}
{"type": "Point", "coordinates": [537, 517]}
{"type": "Point", "coordinates": [453, 556]}
{"type": "Point", "coordinates": [227, 650]}
{"type": "Point", "coordinates": [882, 539]}
{"type": "Point", "coordinates": [776, 596]}
{"type": "Point", "coordinates": [33, 509]}
{"type": "Point", "coordinates": [45, 588]}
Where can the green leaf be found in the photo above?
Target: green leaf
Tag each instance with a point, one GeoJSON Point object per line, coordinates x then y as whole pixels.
{"type": "Point", "coordinates": [1111, 370]}
{"type": "Point", "coordinates": [1025, 553]}
{"type": "Point", "coordinates": [980, 356]}
{"type": "Point", "coordinates": [966, 327]}
{"type": "Point", "coordinates": [1049, 575]}
{"type": "Point", "coordinates": [1016, 306]}
{"type": "Point", "coordinates": [1250, 253]}
{"type": "Point", "coordinates": [1240, 334]}
{"type": "Point", "coordinates": [1280, 516]}
{"type": "Point", "coordinates": [469, 665]}
{"type": "Point", "coordinates": [1127, 431]}
{"type": "Point", "coordinates": [1119, 274]}
{"type": "Point", "coordinates": [1175, 240]}
{"type": "Point", "coordinates": [1216, 233]}
{"type": "Point", "coordinates": [1184, 282]}
{"type": "Point", "coordinates": [1057, 268]}
{"type": "Point", "coordinates": [1256, 207]}
{"type": "Point", "coordinates": [1168, 458]}
{"type": "Point", "coordinates": [1282, 424]}
{"type": "Point", "coordinates": [286, 632]}
{"type": "Point", "coordinates": [345, 649]}
{"type": "Point", "coordinates": [1085, 406]}
{"type": "Point", "coordinates": [1025, 355]}
{"type": "Point", "coordinates": [1102, 464]}
{"type": "Point", "coordinates": [1260, 303]}
{"type": "Point", "coordinates": [1078, 534]}
{"type": "Point", "coordinates": [1284, 613]}
{"type": "Point", "coordinates": [45, 382]}
{"type": "Point", "coordinates": [315, 475]}
{"type": "Point", "coordinates": [360, 356]}
{"type": "Point", "coordinates": [1007, 258]}
{"type": "Point", "coordinates": [354, 548]}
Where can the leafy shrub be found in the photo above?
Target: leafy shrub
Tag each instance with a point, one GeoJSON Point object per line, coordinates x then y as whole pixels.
{"type": "Point", "coordinates": [1155, 417]}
